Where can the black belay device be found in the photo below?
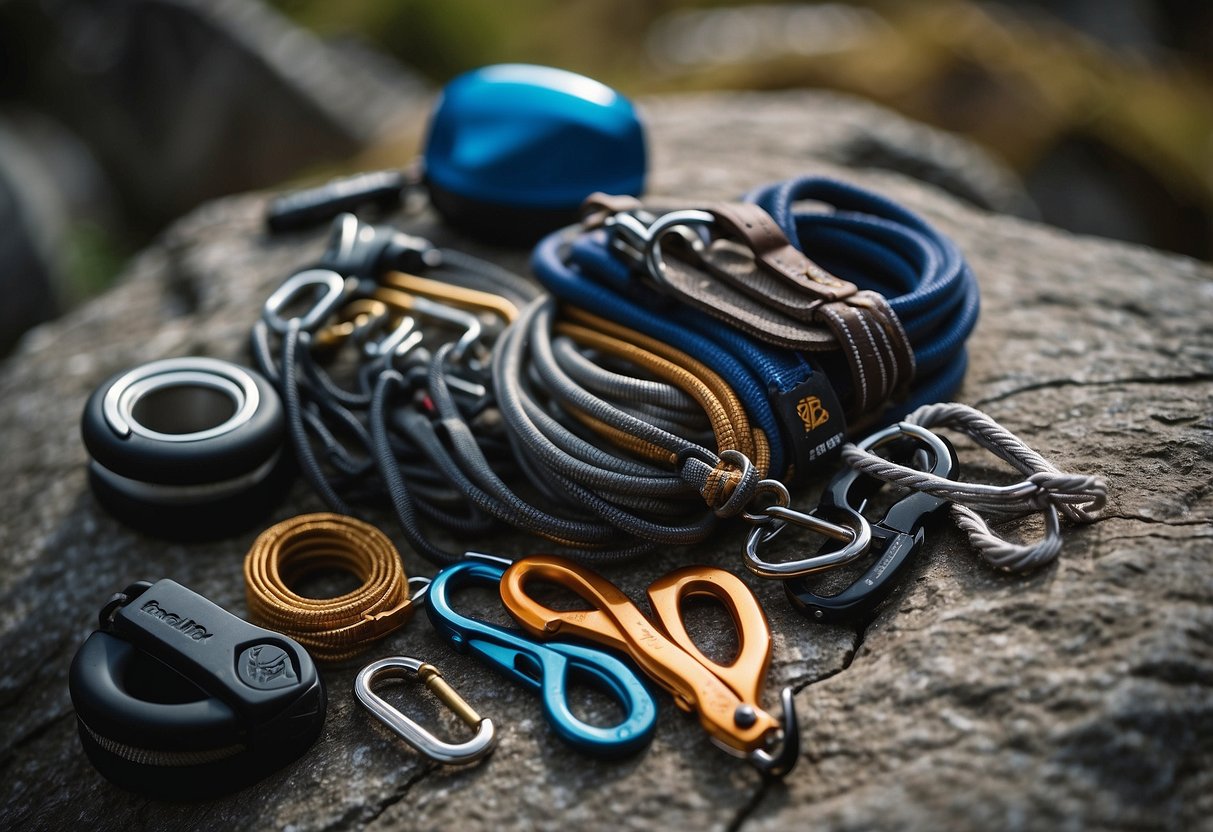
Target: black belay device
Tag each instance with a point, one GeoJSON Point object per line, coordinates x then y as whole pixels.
{"type": "Point", "coordinates": [177, 698]}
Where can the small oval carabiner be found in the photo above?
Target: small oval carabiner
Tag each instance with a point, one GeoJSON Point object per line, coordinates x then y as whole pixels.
{"type": "Point", "coordinates": [895, 537]}
{"type": "Point", "coordinates": [397, 667]}
{"type": "Point", "coordinates": [328, 290]}
{"type": "Point", "coordinates": [856, 541]}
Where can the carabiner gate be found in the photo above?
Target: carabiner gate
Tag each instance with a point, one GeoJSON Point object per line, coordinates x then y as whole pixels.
{"type": "Point", "coordinates": [895, 538]}
{"type": "Point", "coordinates": [780, 763]}
{"type": "Point", "coordinates": [395, 667]}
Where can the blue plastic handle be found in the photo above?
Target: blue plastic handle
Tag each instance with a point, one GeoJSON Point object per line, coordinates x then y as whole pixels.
{"type": "Point", "coordinates": [546, 667]}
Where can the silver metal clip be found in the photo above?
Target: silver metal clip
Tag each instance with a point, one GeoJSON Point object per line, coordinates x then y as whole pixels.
{"type": "Point", "coordinates": [400, 667]}
{"type": "Point", "coordinates": [328, 289]}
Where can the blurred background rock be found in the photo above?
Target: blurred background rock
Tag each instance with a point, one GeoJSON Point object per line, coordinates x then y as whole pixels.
{"type": "Point", "coordinates": [117, 116]}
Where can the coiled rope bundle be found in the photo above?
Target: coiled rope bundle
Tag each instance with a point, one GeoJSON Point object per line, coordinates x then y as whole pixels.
{"type": "Point", "coordinates": [332, 629]}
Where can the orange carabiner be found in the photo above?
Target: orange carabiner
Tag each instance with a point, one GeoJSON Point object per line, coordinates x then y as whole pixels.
{"type": "Point", "coordinates": [725, 697]}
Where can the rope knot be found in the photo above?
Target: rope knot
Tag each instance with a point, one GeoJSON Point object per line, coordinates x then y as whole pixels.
{"type": "Point", "coordinates": [1046, 489]}
{"type": "Point", "coordinates": [726, 482]}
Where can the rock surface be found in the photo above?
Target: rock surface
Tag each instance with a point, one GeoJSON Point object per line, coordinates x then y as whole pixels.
{"type": "Point", "coordinates": [1079, 696]}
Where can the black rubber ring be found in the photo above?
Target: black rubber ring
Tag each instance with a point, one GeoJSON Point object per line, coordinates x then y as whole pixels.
{"type": "Point", "coordinates": [187, 448]}
{"type": "Point", "coordinates": [185, 461]}
{"type": "Point", "coordinates": [200, 521]}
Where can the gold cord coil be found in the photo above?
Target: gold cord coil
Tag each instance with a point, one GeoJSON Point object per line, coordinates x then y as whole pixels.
{"type": "Point", "coordinates": [332, 629]}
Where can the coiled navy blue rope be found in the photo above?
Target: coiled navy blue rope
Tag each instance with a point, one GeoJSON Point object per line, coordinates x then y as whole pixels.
{"type": "Point", "coordinates": [867, 240]}
{"type": "Point", "coordinates": [877, 244]}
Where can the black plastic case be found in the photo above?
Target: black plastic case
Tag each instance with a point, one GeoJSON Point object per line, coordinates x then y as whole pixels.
{"type": "Point", "coordinates": [178, 699]}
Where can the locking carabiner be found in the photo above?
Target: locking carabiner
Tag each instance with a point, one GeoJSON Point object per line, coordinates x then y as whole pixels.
{"type": "Point", "coordinates": [431, 746]}
{"type": "Point", "coordinates": [895, 538]}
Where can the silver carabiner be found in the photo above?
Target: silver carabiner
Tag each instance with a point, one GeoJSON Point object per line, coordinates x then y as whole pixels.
{"type": "Point", "coordinates": [856, 539]}
{"type": "Point", "coordinates": [681, 221]}
{"type": "Point", "coordinates": [402, 338]}
{"type": "Point", "coordinates": [473, 330]}
{"type": "Point", "coordinates": [636, 235]}
{"type": "Point", "coordinates": [329, 290]}
{"type": "Point", "coordinates": [399, 667]}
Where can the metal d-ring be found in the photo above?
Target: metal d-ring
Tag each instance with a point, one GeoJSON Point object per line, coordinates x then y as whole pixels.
{"type": "Point", "coordinates": [396, 667]}
{"type": "Point", "coordinates": [180, 373]}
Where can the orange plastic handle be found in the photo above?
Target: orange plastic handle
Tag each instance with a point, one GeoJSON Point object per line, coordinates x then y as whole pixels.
{"type": "Point", "coordinates": [726, 697]}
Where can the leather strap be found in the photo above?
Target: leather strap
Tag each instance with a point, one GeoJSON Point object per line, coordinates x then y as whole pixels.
{"type": "Point", "coordinates": [598, 206]}
{"type": "Point", "coordinates": [752, 277]}
{"type": "Point", "coordinates": [773, 252]}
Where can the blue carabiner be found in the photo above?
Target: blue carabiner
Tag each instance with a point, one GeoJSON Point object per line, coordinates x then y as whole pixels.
{"type": "Point", "coordinates": [546, 667]}
{"type": "Point", "coordinates": [895, 538]}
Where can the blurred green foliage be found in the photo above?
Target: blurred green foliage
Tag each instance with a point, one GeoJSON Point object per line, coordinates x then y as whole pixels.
{"type": "Point", "coordinates": [1044, 96]}
{"type": "Point", "coordinates": [92, 256]}
{"type": "Point", "coordinates": [442, 38]}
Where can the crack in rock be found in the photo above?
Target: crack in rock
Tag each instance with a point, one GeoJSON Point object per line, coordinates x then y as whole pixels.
{"type": "Point", "coordinates": [387, 803]}
{"type": "Point", "coordinates": [1059, 383]}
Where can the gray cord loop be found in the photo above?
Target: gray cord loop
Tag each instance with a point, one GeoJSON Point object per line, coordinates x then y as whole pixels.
{"type": "Point", "coordinates": [1055, 493]}
{"type": "Point", "coordinates": [408, 430]}
{"type": "Point", "coordinates": [706, 472]}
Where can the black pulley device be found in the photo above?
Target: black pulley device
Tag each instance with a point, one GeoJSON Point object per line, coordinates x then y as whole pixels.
{"type": "Point", "coordinates": [178, 699]}
{"type": "Point", "coordinates": [187, 448]}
